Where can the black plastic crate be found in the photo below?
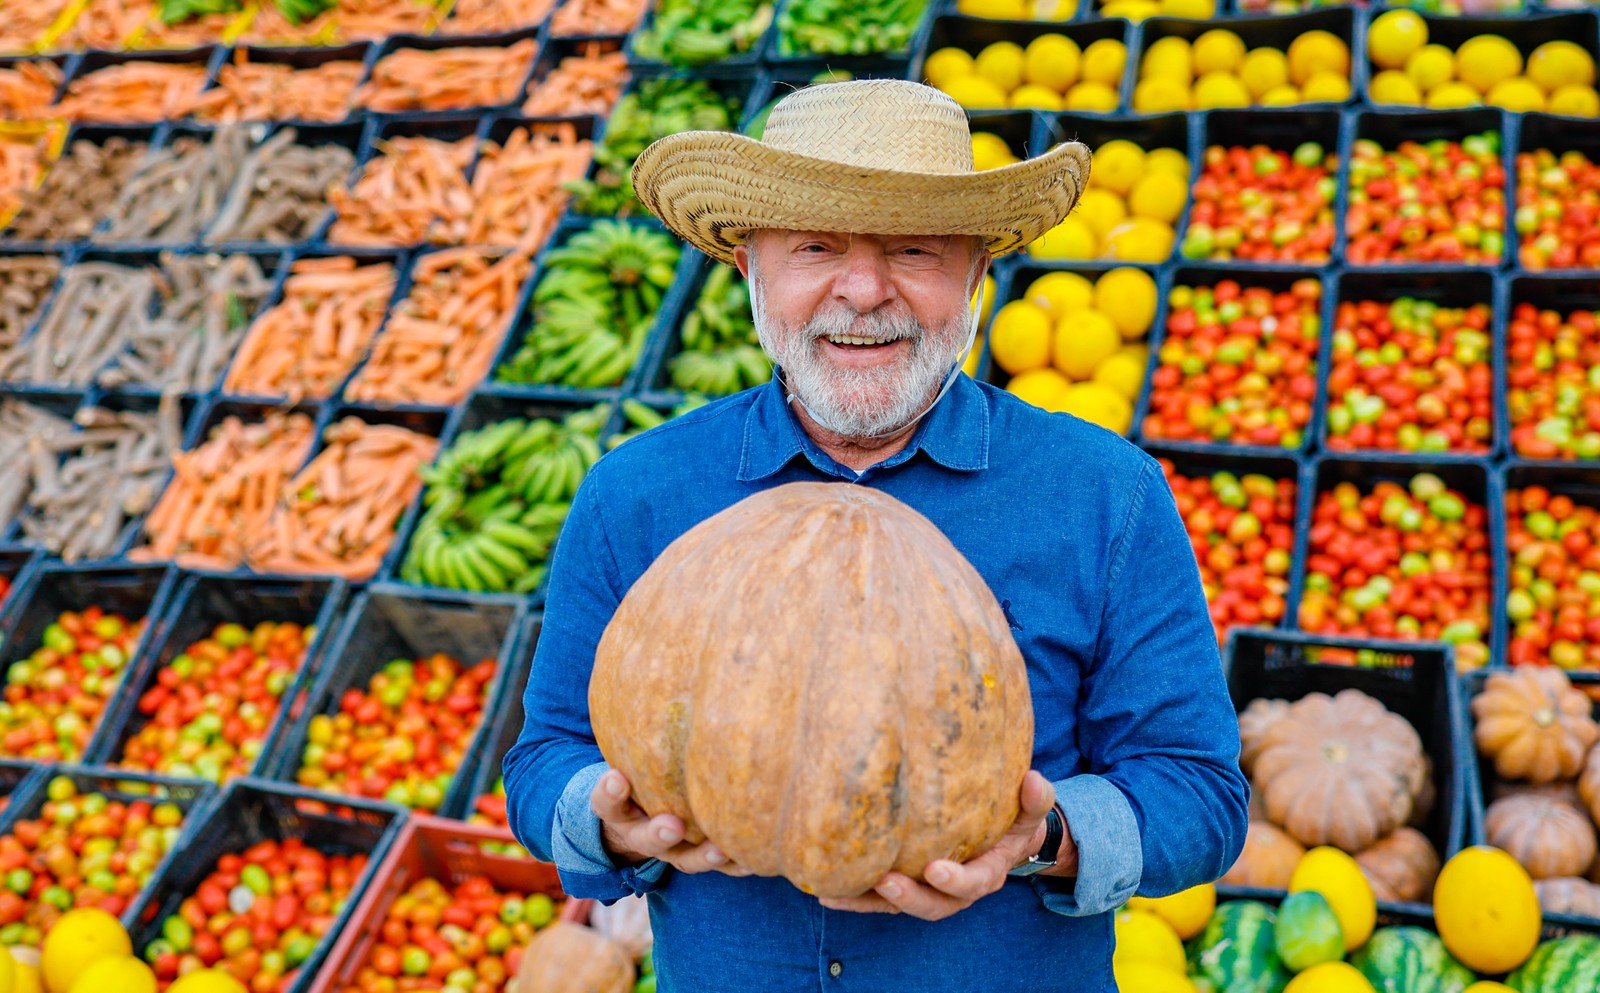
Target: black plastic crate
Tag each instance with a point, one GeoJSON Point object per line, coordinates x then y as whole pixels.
{"type": "Point", "coordinates": [1415, 680]}
{"type": "Point", "coordinates": [1558, 135]}
{"type": "Point", "coordinates": [16, 565]}
{"type": "Point", "coordinates": [199, 605]}
{"type": "Point", "coordinates": [249, 811]}
{"type": "Point", "coordinates": [16, 777]}
{"type": "Point", "coordinates": [505, 723]}
{"type": "Point", "coordinates": [1560, 292]}
{"type": "Point", "coordinates": [973, 34]}
{"type": "Point", "coordinates": [396, 622]}
{"type": "Point", "coordinates": [1525, 29]}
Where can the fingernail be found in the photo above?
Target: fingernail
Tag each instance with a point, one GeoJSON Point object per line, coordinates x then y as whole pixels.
{"type": "Point", "coordinates": [614, 786]}
{"type": "Point", "coordinates": [889, 888]}
{"type": "Point", "coordinates": [667, 834]}
{"type": "Point", "coordinates": [715, 856]}
{"type": "Point", "coordinates": [938, 874]}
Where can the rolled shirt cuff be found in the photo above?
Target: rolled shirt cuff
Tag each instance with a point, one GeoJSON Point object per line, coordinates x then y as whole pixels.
{"type": "Point", "coordinates": [585, 867]}
{"type": "Point", "coordinates": [1101, 823]}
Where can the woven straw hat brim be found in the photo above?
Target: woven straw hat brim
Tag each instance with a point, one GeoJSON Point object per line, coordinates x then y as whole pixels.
{"type": "Point", "coordinates": [712, 188]}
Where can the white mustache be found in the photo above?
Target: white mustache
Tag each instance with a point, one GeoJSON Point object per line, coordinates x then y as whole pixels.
{"type": "Point", "coordinates": [885, 327]}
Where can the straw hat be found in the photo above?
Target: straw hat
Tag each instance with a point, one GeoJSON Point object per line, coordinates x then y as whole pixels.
{"type": "Point", "coordinates": [878, 156]}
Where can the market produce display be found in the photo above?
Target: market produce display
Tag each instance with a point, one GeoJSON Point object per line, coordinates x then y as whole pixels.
{"type": "Point", "coordinates": [55, 696]}
{"type": "Point", "coordinates": [1129, 211]}
{"type": "Point", "coordinates": [1557, 214]}
{"type": "Point", "coordinates": [1553, 394]}
{"type": "Point", "coordinates": [720, 351]}
{"type": "Point", "coordinates": [1052, 72]}
{"type": "Point", "coordinates": [1217, 70]}
{"type": "Point", "coordinates": [1436, 201]}
{"type": "Point", "coordinates": [1262, 204]}
{"type": "Point", "coordinates": [1555, 566]}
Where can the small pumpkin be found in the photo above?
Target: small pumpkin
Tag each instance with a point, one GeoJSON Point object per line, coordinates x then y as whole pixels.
{"type": "Point", "coordinates": [1267, 860]}
{"type": "Point", "coordinates": [573, 958]}
{"type": "Point", "coordinates": [1533, 724]}
{"type": "Point", "coordinates": [1340, 770]}
{"type": "Point", "coordinates": [1568, 895]}
{"type": "Point", "coordinates": [1401, 867]}
{"type": "Point", "coordinates": [1426, 797]}
{"type": "Point", "coordinates": [1565, 791]}
{"type": "Point", "coordinates": [1255, 721]}
{"type": "Point", "coordinates": [1549, 838]}
{"type": "Point", "coordinates": [1588, 785]}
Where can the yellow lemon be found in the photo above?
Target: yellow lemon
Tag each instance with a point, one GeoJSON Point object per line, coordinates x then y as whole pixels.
{"type": "Point", "coordinates": [1167, 160]}
{"type": "Point", "coordinates": [969, 365]}
{"type": "Point", "coordinates": [999, 10]}
{"type": "Point", "coordinates": [1516, 94]}
{"type": "Point", "coordinates": [987, 292]}
{"type": "Point", "coordinates": [1218, 50]}
{"type": "Point", "coordinates": [1393, 86]}
{"type": "Point", "coordinates": [1099, 404]}
{"type": "Point", "coordinates": [1394, 36]}
{"type": "Point", "coordinates": [1168, 58]}
{"type": "Point", "coordinates": [990, 151]}
{"type": "Point", "coordinates": [1189, 910]}
{"type": "Point", "coordinates": [1488, 986]}
{"type": "Point", "coordinates": [1161, 96]}
{"type": "Point", "coordinates": [1220, 89]}
{"type": "Point", "coordinates": [1052, 60]}
{"type": "Point", "coordinates": [1073, 238]}
{"type": "Point", "coordinates": [1330, 977]}
{"type": "Point", "coordinates": [975, 93]}
{"type": "Point", "coordinates": [1146, 977]}
{"type": "Point", "coordinates": [1486, 910]}
{"type": "Point", "coordinates": [122, 973]}
{"type": "Point", "coordinates": [1450, 96]}
{"type": "Point", "coordinates": [1104, 62]}
{"type": "Point", "coordinates": [1140, 239]}
{"type": "Point", "coordinates": [1137, 350]}
{"type": "Point", "coordinates": [1118, 164]}
{"type": "Point", "coordinates": [25, 976]}
{"type": "Point", "coordinates": [1061, 293]}
{"type": "Point", "coordinates": [1430, 66]}
{"type": "Point", "coordinates": [1040, 387]}
{"type": "Point", "coordinates": [79, 938]}
{"type": "Point", "coordinates": [1158, 196]}
{"type": "Point", "coordinates": [8, 971]}
{"type": "Point", "coordinates": [1575, 101]}
{"type": "Point", "coordinates": [1001, 64]}
{"type": "Point", "coordinates": [1317, 51]}
{"type": "Point", "coordinates": [1337, 877]}
{"type": "Point", "coordinates": [1082, 341]}
{"type": "Point", "coordinates": [1486, 59]}
{"type": "Point", "coordinates": [1263, 69]}
{"type": "Point", "coordinates": [947, 65]}
{"type": "Point", "coordinates": [1054, 10]}
{"type": "Point", "coordinates": [1103, 210]}
{"type": "Point", "coordinates": [1560, 63]}
{"type": "Point", "coordinates": [1019, 339]}
{"type": "Point", "coordinates": [1127, 295]}
{"type": "Point", "coordinates": [1091, 96]}
{"type": "Point", "coordinates": [1123, 373]}
{"type": "Point", "coordinates": [1030, 96]}
{"type": "Point", "coordinates": [1133, 10]}
{"type": "Point", "coordinates": [1280, 96]}
{"type": "Point", "coordinates": [1326, 87]}
{"type": "Point", "coordinates": [206, 981]}
{"type": "Point", "coordinates": [1194, 10]}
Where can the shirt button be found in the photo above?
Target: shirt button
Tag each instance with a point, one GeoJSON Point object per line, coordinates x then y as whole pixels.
{"type": "Point", "coordinates": [835, 967]}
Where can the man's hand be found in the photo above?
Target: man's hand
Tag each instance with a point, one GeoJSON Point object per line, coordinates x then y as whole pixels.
{"type": "Point", "coordinates": [955, 886]}
{"type": "Point", "coordinates": [631, 836]}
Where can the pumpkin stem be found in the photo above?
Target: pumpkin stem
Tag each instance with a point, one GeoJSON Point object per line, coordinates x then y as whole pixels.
{"type": "Point", "coordinates": [1544, 716]}
{"type": "Point", "coordinates": [1335, 752]}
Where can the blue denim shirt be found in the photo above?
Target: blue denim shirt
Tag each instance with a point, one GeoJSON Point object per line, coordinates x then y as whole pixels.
{"type": "Point", "coordinates": [1075, 532]}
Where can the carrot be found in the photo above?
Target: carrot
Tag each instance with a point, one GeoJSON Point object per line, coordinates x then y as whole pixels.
{"type": "Point", "coordinates": [23, 160]}
{"type": "Point", "coordinates": [489, 16]}
{"type": "Point", "coordinates": [223, 491]}
{"type": "Point", "coordinates": [442, 339]}
{"type": "Point", "coordinates": [363, 20]}
{"type": "Point", "coordinates": [106, 25]}
{"type": "Point", "coordinates": [403, 191]}
{"type": "Point", "coordinates": [27, 89]}
{"type": "Point", "coordinates": [517, 189]}
{"type": "Point", "coordinates": [133, 93]}
{"type": "Point", "coordinates": [446, 78]}
{"type": "Point", "coordinates": [306, 344]}
{"type": "Point", "coordinates": [208, 29]}
{"type": "Point", "coordinates": [24, 24]}
{"type": "Point", "coordinates": [338, 514]}
{"type": "Point", "coordinates": [271, 27]}
{"type": "Point", "coordinates": [265, 91]}
{"type": "Point", "coordinates": [581, 85]}
{"type": "Point", "coordinates": [587, 17]}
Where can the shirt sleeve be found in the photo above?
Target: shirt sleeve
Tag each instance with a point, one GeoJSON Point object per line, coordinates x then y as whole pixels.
{"type": "Point", "coordinates": [1163, 804]}
{"type": "Point", "coordinates": [555, 763]}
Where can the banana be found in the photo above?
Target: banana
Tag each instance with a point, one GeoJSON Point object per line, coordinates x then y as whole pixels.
{"type": "Point", "coordinates": [508, 560]}
{"type": "Point", "coordinates": [519, 537]}
{"type": "Point", "coordinates": [487, 574]}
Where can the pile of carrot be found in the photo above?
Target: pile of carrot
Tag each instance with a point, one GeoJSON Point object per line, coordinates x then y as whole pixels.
{"type": "Point", "coordinates": [23, 27]}
{"type": "Point", "coordinates": [268, 91]}
{"type": "Point", "coordinates": [133, 93]}
{"type": "Point", "coordinates": [409, 185]}
{"type": "Point", "coordinates": [207, 29]}
{"type": "Point", "coordinates": [441, 341]}
{"type": "Point", "coordinates": [517, 189]}
{"type": "Point", "coordinates": [588, 83]}
{"type": "Point", "coordinates": [447, 78]}
{"type": "Point", "coordinates": [363, 20]}
{"type": "Point", "coordinates": [338, 514]}
{"type": "Point", "coordinates": [106, 25]}
{"type": "Point", "coordinates": [223, 491]}
{"type": "Point", "coordinates": [271, 27]}
{"type": "Point", "coordinates": [27, 89]}
{"type": "Point", "coordinates": [489, 16]}
{"type": "Point", "coordinates": [24, 157]}
{"type": "Point", "coordinates": [306, 344]}
{"type": "Point", "coordinates": [588, 17]}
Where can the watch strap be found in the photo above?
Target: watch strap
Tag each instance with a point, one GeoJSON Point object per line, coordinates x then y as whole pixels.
{"type": "Point", "coordinates": [1055, 831]}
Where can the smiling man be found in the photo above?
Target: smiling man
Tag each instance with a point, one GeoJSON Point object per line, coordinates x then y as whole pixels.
{"type": "Point", "coordinates": [864, 233]}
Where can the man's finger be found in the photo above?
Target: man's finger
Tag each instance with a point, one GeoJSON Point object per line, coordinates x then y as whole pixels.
{"type": "Point", "coordinates": [1038, 795]}
{"type": "Point", "coordinates": [969, 881]}
{"type": "Point", "coordinates": [916, 899]}
{"type": "Point", "coordinates": [656, 837]}
{"type": "Point", "coordinates": [612, 800]}
{"type": "Point", "coordinates": [704, 857]}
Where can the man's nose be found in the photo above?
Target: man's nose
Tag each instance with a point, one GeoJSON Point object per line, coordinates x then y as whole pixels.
{"type": "Point", "coordinates": [863, 281]}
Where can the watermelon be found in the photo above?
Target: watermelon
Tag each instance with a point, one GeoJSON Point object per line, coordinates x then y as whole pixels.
{"type": "Point", "coordinates": [1308, 931]}
{"type": "Point", "coordinates": [1560, 966]}
{"type": "Point", "coordinates": [1235, 952]}
{"type": "Point", "coordinates": [1410, 960]}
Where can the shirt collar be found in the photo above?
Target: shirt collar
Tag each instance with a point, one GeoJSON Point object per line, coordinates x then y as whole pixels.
{"type": "Point", "coordinates": [954, 434]}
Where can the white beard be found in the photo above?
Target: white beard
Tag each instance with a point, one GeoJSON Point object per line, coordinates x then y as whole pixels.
{"type": "Point", "coordinates": [859, 403]}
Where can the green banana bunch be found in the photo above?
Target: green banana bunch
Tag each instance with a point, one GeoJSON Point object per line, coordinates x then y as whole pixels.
{"type": "Point", "coordinates": [496, 501]}
{"type": "Point", "coordinates": [694, 32]}
{"type": "Point", "coordinates": [177, 11]}
{"type": "Point", "coordinates": [593, 307]}
{"type": "Point", "coordinates": [301, 11]}
{"type": "Point", "coordinates": [654, 109]}
{"type": "Point", "coordinates": [641, 417]}
{"type": "Point", "coordinates": [848, 27]}
{"type": "Point", "coordinates": [721, 352]}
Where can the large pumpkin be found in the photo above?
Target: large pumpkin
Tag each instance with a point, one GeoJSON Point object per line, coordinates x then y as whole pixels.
{"type": "Point", "coordinates": [817, 680]}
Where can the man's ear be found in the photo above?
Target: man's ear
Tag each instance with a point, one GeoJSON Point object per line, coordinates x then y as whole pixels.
{"type": "Point", "coordinates": [741, 258]}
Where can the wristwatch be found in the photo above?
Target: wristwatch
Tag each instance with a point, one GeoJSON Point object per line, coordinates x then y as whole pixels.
{"type": "Point", "coordinates": [1055, 831]}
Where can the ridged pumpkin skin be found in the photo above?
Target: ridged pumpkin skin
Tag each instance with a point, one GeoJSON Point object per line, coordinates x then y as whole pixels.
{"type": "Point", "coordinates": [1548, 837]}
{"type": "Point", "coordinates": [572, 958]}
{"type": "Point", "coordinates": [1267, 860]}
{"type": "Point", "coordinates": [1533, 724]}
{"type": "Point", "coordinates": [1568, 895]}
{"type": "Point", "coordinates": [819, 682]}
{"type": "Point", "coordinates": [1402, 866]}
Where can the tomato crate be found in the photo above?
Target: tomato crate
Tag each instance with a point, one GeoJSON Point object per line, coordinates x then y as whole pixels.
{"type": "Point", "coordinates": [15, 778]}
{"type": "Point", "coordinates": [503, 732]}
{"type": "Point", "coordinates": [202, 604]}
{"type": "Point", "coordinates": [398, 623]}
{"type": "Point", "coordinates": [1517, 595]}
{"type": "Point", "coordinates": [432, 848]}
{"type": "Point", "coordinates": [16, 566]}
{"type": "Point", "coordinates": [1536, 243]}
{"type": "Point", "coordinates": [1349, 402]}
{"type": "Point", "coordinates": [248, 812]}
{"type": "Point", "coordinates": [1413, 680]}
{"type": "Point", "coordinates": [137, 592]}
{"type": "Point", "coordinates": [1534, 395]}
{"type": "Point", "coordinates": [360, 54]}
{"type": "Point", "coordinates": [973, 34]}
